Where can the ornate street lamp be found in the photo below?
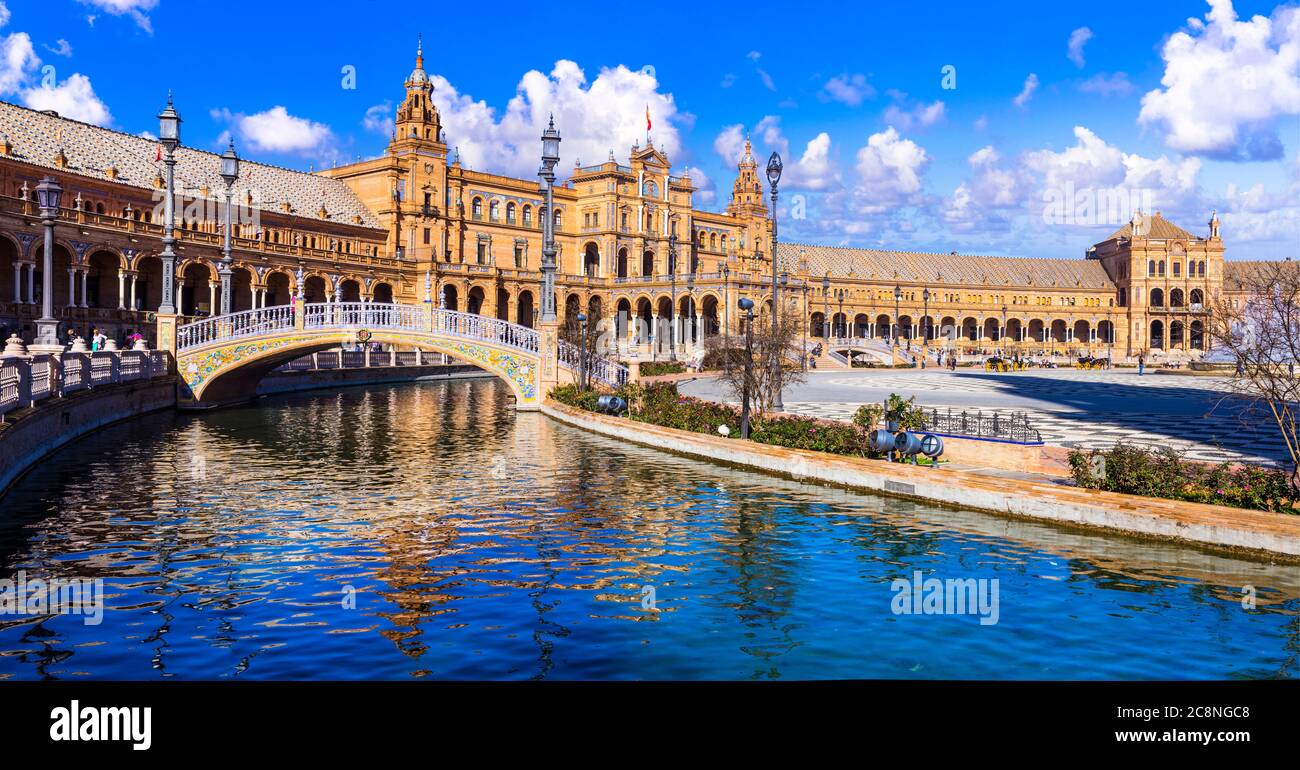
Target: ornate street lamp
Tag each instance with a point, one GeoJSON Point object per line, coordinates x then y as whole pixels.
{"type": "Point", "coordinates": [229, 172]}
{"type": "Point", "coordinates": [1002, 333]}
{"type": "Point", "coordinates": [803, 322]}
{"type": "Point", "coordinates": [925, 333]}
{"type": "Point", "coordinates": [550, 157]}
{"type": "Point", "coordinates": [672, 278]}
{"type": "Point", "coordinates": [826, 318]}
{"type": "Point", "coordinates": [746, 304]}
{"type": "Point", "coordinates": [898, 296]}
{"type": "Point", "coordinates": [839, 299]}
{"type": "Point", "coordinates": [690, 319]}
{"type": "Point", "coordinates": [774, 167]}
{"type": "Point", "coordinates": [582, 360]}
{"type": "Point", "coordinates": [48, 193]}
{"type": "Point", "coordinates": [169, 134]}
{"type": "Point", "coordinates": [726, 316]}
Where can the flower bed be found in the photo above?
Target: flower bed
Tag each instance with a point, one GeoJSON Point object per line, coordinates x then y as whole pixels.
{"type": "Point", "coordinates": [1162, 473]}
{"type": "Point", "coordinates": [661, 404]}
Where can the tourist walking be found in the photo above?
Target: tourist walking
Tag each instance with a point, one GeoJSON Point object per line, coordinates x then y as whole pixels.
{"type": "Point", "coordinates": [1142, 364]}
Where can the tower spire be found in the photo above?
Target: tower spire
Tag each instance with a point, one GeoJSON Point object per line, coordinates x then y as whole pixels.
{"type": "Point", "coordinates": [419, 51]}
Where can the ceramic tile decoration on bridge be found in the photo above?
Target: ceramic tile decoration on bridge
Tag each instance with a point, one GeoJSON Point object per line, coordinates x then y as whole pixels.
{"type": "Point", "coordinates": [221, 359]}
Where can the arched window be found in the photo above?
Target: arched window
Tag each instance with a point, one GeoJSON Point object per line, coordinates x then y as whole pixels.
{"type": "Point", "coordinates": [1200, 269]}
{"type": "Point", "coordinates": [494, 210]}
{"type": "Point", "coordinates": [1177, 269]}
{"type": "Point", "coordinates": [476, 208]}
{"type": "Point", "coordinates": [510, 213]}
{"type": "Point", "coordinates": [1157, 298]}
{"type": "Point", "coordinates": [1160, 267]}
{"type": "Point", "coordinates": [528, 216]}
{"type": "Point", "coordinates": [559, 219]}
{"type": "Point", "coordinates": [1151, 268]}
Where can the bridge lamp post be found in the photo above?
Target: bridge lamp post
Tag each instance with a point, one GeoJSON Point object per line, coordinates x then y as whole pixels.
{"type": "Point", "coordinates": [898, 297]}
{"type": "Point", "coordinates": [746, 304]}
{"type": "Point", "coordinates": [230, 173]}
{"type": "Point", "coordinates": [774, 167]}
{"type": "Point", "coordinates": [672, 278]}
{"type": "Point", "coordinates": [48, 192]}
{"type": "Point", "coordinates": [550, 157]}
{"type": "Point", "coordinates": [803, 351]}
{"type": "Point", "coordinates": [169, 134]}
{"type": "Point", "coordinates": [582, 360]}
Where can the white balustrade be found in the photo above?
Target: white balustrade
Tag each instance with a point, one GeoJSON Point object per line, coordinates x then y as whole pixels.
{"type": "Point", "coordinates": [27, 380]}
{"type": "Point", "coordinates": [245, 323]}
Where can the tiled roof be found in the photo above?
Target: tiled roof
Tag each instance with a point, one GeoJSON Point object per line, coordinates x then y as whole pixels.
{"type": "Point", "coordinates": [921, 267]}
{"type": "Point", "coordinates": [37, 138]}
{"type": "Point", "coordinates": [1237, 273]}
{"type": "Point", "coordinates": [1157, 227]}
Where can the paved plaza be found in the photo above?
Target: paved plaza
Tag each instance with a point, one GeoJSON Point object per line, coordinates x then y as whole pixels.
{"type": "Point", "coordinates": [1085, 409]}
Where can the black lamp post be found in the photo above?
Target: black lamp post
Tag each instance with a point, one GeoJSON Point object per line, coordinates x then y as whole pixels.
{"type": "Point", "coordinates": [774, 167]}
{"type": "Point", "coordinates": [926, 327]}
{"type": "Point", "coordinates": [1002, 333]}
{"type": "Point", "coordinates": [839, 300]}
{"type": "Point", "coordinates": [690, 319]}
{"type": "Point", "coordinates": [747, 305]}
{"type": "Point", "coordinates": [826, 311]}
{"type": "Point", "coordinates": [898, 297]}
{"type": "Point", "coordinates": [672, 279]}
{"type": "Point", "coordinates": [726, 317]}
{"type": "Point", "coordinates": [48, 193]}
{"type": "Point", "coordinates": [229, 172]}
{"type": "Point", "coordinates": [582, 358]}
{"type": "Point", "coordinates": [169, 135]}
{"type": "Point", "coordinates": [803, 350]}
{"type": "Point", "coordinates": [550, 157]}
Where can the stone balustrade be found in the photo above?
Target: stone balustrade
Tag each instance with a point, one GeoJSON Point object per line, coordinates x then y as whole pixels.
{"type": "Point", "coordinates": [28, 379]}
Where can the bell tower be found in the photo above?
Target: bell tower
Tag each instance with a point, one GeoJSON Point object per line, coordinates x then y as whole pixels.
{"type": "Point", "coordinates": [417, 118]}
{"type": "Point", "coordinates": [747, 205]}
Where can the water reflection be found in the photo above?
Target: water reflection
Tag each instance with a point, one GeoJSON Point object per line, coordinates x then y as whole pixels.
{"type": "Point", "coordinates": [427, 530]}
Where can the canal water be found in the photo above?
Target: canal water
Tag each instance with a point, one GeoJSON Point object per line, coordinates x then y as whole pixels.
{"type": "Point", "coordinates": [426, 530]}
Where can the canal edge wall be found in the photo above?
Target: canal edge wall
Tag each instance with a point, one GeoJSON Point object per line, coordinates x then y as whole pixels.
{"type": "Point", "coordinates": [1260, 533]}
{"type": "Point", "coordinates": [29, 435]}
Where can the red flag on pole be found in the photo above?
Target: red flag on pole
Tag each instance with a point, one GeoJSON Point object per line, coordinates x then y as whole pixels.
{"type": "Point", "coordinates": [647, 117]}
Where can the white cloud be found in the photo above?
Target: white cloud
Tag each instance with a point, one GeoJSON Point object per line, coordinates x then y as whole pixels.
{"type": "Point", "coordinates": [1074, 49]}
{"type": "Point", "coordinates": [919, 115]}
{"type": "Point", "coordinates": [889, 171]}
{"type": "Point", "coordinates": [1027, 92]}
{"type": "Point", "coordinates": [1226, 82]}
{"type": "Point", "coordinates": [18, 60]}
{"type": "Point", "coordinates": [379, 119]}
{"type": "Point", "coordinates": [728, 80]}
{"type": "Point", "coordinates": [275, 130]}
{"type": "Point", "coordinates": [730, 143]}
{"type": "Point", "coordinates": [1104, 84]}
{"type": "Point", "coordinates": [592, 118]}
{"type": "Point", "coordinates": [848, 89]}
{"type": "Point", "coordinates": [64, 48]}
{"type": "Point", "coordinates": [73, 98]}
{"type": "Point", "coordinates": [137, 9]}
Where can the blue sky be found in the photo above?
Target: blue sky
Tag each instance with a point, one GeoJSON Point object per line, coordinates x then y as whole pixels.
{"type": "Point", "coordinates": [1055, 109]}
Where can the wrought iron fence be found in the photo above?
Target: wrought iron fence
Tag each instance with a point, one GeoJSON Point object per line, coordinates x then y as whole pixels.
{"type": "Point", "coordinates": [1014, 427]}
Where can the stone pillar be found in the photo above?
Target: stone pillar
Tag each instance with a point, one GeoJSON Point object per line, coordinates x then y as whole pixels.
{"type": "Point", "coordinates": [18, 282]}
{"type": "Point", "coordinates": [84, 294]}
{"type": "Point", "coordinates": [72, 287]}
{"type": "Point", "coordinates": [31, 283]}
{"type": "Point", "coordinates": [133, 279]}
{"type": "Point", "coordinates": [212, 297]}
{"type": "Point", "coordinates": [121, 289]}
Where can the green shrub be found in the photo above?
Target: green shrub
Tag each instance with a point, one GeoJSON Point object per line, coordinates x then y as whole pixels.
{"type": "Point", "coordinates": [658, 368]}
{"type": "Point", "coordinates": [1162, 473]}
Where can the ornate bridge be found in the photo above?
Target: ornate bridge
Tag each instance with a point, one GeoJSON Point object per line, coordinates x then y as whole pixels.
{"type": "Point", "coordinates": [220, 360]}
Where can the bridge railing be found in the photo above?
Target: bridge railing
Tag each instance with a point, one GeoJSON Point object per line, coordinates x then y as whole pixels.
{"type": "Point", "coordinates": [477, 327]}
{"type": "Point", "coordinates": [599, 368]}
{"type": "Point", "coordinates": [245, 323]}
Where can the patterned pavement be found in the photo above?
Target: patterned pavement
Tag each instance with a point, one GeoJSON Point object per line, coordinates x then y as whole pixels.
{"type": "Point", "coordinates": [1193, 415]}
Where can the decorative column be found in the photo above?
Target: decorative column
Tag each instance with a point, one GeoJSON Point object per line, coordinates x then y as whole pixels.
{"type": "Point", "coordinates": [18, 282]}
{"type": "Point", "coordinates": [48, 192]}
{"type": "Point", "coordinates": [212, 296]}
{"type": "Point", "coordinates": [72, 287]}
{"type": "Point", "coordinates": [169, 135]}
{"type": "Point", "coordinates": [121, 289]}
{"type": "Point", "coordinates": [85, 273]}
{"type": "Point", "coordinates": [549, 348]}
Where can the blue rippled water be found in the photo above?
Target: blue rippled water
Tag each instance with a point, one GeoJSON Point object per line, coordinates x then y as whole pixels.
{"type": "Point", "coordinates": [426, 530]}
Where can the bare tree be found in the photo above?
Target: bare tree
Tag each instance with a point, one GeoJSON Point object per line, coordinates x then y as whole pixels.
{"type": "Point", "coordinates": [1261, 332]}
{"type": "Point", "coordinates": [785, 346]}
